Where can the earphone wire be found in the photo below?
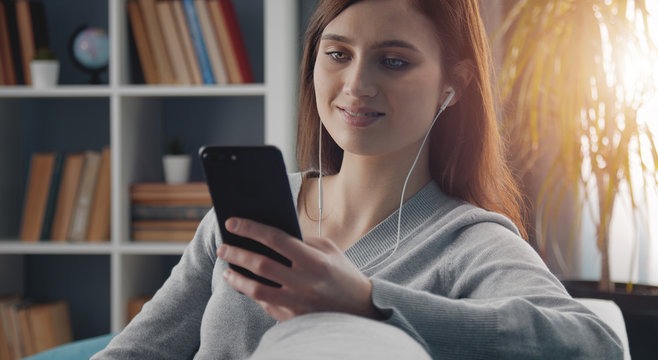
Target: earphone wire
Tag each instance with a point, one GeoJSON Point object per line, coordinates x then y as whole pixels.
{"type": "Point", "coordinates": [320, 182]}
{"type": "Point", "coordinates": [406, 181]}
{"type": "Point", "coordinates": [404, 187]}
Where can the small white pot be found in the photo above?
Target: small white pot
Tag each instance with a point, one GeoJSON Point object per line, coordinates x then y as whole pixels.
{"type": "Point", "coordinates": [45, 73]}
{"type": "Point", "coordinates": [176, 168]}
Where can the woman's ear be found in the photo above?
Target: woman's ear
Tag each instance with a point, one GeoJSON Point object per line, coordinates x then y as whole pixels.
{"type": "Point", "coordinates": [461, 77]}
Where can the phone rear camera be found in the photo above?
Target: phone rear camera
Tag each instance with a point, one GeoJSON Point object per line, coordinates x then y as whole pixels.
{"type": "Point", "coordinates": [233, 157]}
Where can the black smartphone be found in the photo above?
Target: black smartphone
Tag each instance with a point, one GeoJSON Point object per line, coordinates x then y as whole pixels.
{"type": "Point", "coordinates": [250, 182]}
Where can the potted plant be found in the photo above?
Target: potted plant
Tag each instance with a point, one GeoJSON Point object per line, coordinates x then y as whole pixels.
{"type": "Point", "coordinates": [44, 68]}
{"type": "Point", "coordinates": [176, 163]}
{"type": "Point", "coordinates": [573, 77]}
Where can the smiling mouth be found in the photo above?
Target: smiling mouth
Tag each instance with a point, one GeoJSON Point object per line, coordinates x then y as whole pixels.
{"type": "Point", "coordinates": [360, 118]}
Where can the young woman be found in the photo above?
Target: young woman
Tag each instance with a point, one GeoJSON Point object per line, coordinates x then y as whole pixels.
{"type": "Point", "coordinates": [449, 268]}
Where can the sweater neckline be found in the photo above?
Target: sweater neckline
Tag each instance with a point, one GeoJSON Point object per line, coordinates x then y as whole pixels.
{"type": "Point", "coordinates": [378, 243]}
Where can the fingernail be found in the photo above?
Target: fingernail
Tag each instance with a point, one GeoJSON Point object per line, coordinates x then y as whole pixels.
{"type": "Point", "coordinates": [231, 224]}
{"type": "Point", "coordinates": [222, 251]}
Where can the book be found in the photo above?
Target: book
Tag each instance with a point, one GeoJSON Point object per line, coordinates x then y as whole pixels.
{"type": "Point", "coordinates": [14, 40]}
{"type": "Point", "coordinates": [163, 235]}
{"type": "Point", "coordinates": [135, 305]}
{"type": "Point", "coordinates": [49, 324]}
{"type": "Point", "coordinates": [173, 212]}
{"type": "Point", "coordinates": [84, 195]}
{"type": "Point", "coordinates": [173, 42]}
{"type": "Point", "coordinates": [7, 70]}
{"type": "Point", "coordinates": [25, 329]}
{"type": "Point", "coordinates": [186, 41]}
{"type": "Point", "coordinates": [164, 225]}
{"type": "Point", "coordinates": [141, 42]}
{"type": "Point", "coordinates": [26, 37]}
{"type": "Point", "coordinates": [4, 343]}
{"type": "Point", "coordinates": [51, 202]}
{"type": "Point", "coordinates": [99, 218]}
{"type": "Point", "coordinates": [194, 193]}
{"type": "Point", "coordinates": [9, 324]}
{"type": "Point", "coordinates": [32, 31]}
{"type": "Point", "coordinates": [37, 195]}
{"type": "Point", "coordinates": [224, 39]}
{"type": "Point", "coordinates": [198, 42]}
{"type": "Point", "coordinates": [237, 40]}
{"type": "Point", "coordinates": [156, 41]}
{"type": "Point", "coordinates": [210, 40]}
{"type": "Point", "coordinates": [68, 188]}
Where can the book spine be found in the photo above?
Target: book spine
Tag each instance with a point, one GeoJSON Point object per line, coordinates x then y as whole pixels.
{"type": "Point", "coordinates": [237, 40]}
{"type": "Point", "coordinates": [155, 212]}
{"type": "Point", "coordinates": [224, 39]}
{"type": "Point", "coordinates": [154, 35]}
{"type": "Point", "coordinates": [49, 213]}
{"type": "Point", "coordinates": [186, 41]}
{"type": "Point", "coordinates": [172, 42]}
{"type": "Point", "coordinates": [212, 45]}
{"type": "Point", "coordinates": [197, 42]}
{"type": "Point", "coordinates": [9, 73]}
{"type": "Point", "coordinates": [144, 52]}
{"type": "Point", "coordinates": [80, 220]}
{"type": "Point", "coordinates": [36, 196]}
{"type": "Point", "coordinates": [99, 219]}
{"type": "Point", "coordinates": [26, 37]}
{"type": "Point", "coordinates": [14, 40]}
{"type": "Point", "coordinates": [66, 197]}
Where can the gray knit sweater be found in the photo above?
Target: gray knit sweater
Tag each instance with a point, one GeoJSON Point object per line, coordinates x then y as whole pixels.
{"type": "Point", "coordinates": [462, 283]}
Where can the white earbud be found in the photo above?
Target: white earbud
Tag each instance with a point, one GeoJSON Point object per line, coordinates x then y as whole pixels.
{"type": "Point", "coordinates": [448, 100]}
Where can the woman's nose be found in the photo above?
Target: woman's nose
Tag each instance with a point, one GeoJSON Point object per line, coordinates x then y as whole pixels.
{"type": "Point", "coordinates": [359, 81]}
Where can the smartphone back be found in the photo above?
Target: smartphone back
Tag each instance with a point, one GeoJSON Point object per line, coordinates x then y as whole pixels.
{"type": "Point", "coordinates": [250, 182]}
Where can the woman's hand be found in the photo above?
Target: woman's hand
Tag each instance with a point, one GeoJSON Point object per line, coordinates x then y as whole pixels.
{"type": "Point", "coordinates": [321, 277]}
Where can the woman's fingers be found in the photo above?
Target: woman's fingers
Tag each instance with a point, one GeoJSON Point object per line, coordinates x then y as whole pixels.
{"type": "Point", "coordinates": [271, 299]}
{"type": "Point", "coordinates": [272, 237]}
{"type": "Point", "coordinates": [258, 264]}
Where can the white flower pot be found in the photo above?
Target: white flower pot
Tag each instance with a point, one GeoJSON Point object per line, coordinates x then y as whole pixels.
{"type": "Point", "coordinates": [44, 73]}
{"type": "Point", "coordinates": [176, 168]}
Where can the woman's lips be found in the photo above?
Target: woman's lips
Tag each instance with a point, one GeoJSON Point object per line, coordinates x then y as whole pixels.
{"type": "Point", "coordinates": [359, 116]}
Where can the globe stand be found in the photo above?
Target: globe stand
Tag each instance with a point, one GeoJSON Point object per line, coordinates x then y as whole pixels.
{"type": "Point", "coordinates": [96, 76]}
{"type": "Point", "coordinates": [95, 71]}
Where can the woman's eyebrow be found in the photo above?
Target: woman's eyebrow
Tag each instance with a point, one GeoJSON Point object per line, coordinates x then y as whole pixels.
{"type": "Point", "coordinates": [379, 45]}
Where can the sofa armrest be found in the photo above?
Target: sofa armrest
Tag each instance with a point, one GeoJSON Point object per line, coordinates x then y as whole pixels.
{"type": "Point", "coordinates": [610, 313]}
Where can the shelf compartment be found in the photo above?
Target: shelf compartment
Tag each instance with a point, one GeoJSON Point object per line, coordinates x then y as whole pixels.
{"type": "Point", "coordinates": [82, 280]}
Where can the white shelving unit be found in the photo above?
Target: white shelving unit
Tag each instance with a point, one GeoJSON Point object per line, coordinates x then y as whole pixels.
{"type": "Point", "coordinates": [136, 115]}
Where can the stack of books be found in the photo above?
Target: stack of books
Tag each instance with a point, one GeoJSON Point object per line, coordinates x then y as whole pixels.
{"type": "Point", "coordinates": [27, 328]}
{"type": "Point", "coordinates": [167, 212]}
{"type": "Point", "coordinates": [67, 197]}
{"type": "Point", "coordinates": [23, 30]}
{"type": "Point", "coordinates": [189, 42]}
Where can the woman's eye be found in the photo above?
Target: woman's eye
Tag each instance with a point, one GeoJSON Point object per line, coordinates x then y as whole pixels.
{"type": "Point", "coordinates": [394, 63]}
{"type": "Point", "coordinates": [337, 55]}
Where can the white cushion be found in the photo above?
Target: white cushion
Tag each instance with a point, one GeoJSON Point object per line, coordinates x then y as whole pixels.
{"type": "Point", "coordinates": [610, 313]}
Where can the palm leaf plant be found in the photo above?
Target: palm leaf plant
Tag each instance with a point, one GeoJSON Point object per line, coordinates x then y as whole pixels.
{"type": "Point", "coordinates": [567, 75]}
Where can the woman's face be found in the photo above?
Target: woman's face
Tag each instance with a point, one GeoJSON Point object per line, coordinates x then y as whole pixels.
{"type": "Point", "coordinates": [377, 77]}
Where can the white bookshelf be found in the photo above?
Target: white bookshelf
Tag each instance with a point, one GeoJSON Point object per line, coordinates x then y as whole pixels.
{"type": "Point", "coordinates": [132, 117]}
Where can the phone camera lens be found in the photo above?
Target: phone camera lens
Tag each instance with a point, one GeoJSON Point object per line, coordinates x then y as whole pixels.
{"type": "Point", "coordinates": [233, 157]}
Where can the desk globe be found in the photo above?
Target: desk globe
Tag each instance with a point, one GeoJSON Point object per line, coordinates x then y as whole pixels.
{"type": "Point", "coordinates": [89, 49]}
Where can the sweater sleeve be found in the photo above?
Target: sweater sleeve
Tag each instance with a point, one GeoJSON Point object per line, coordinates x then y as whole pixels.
{"type": "Point", "coordinates": [496, 299]}
{"type": "Point", "coordinates": [168, 325]}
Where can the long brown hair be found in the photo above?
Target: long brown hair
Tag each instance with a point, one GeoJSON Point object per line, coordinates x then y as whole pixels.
{"type": "Point", "coordinates": [467, 155]}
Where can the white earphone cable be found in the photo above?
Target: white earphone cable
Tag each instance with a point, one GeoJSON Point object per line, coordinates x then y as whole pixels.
{"type": "Point", "coordinates": [320, 182]}
{"type": "Point", "coordinates": [404, 187]}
